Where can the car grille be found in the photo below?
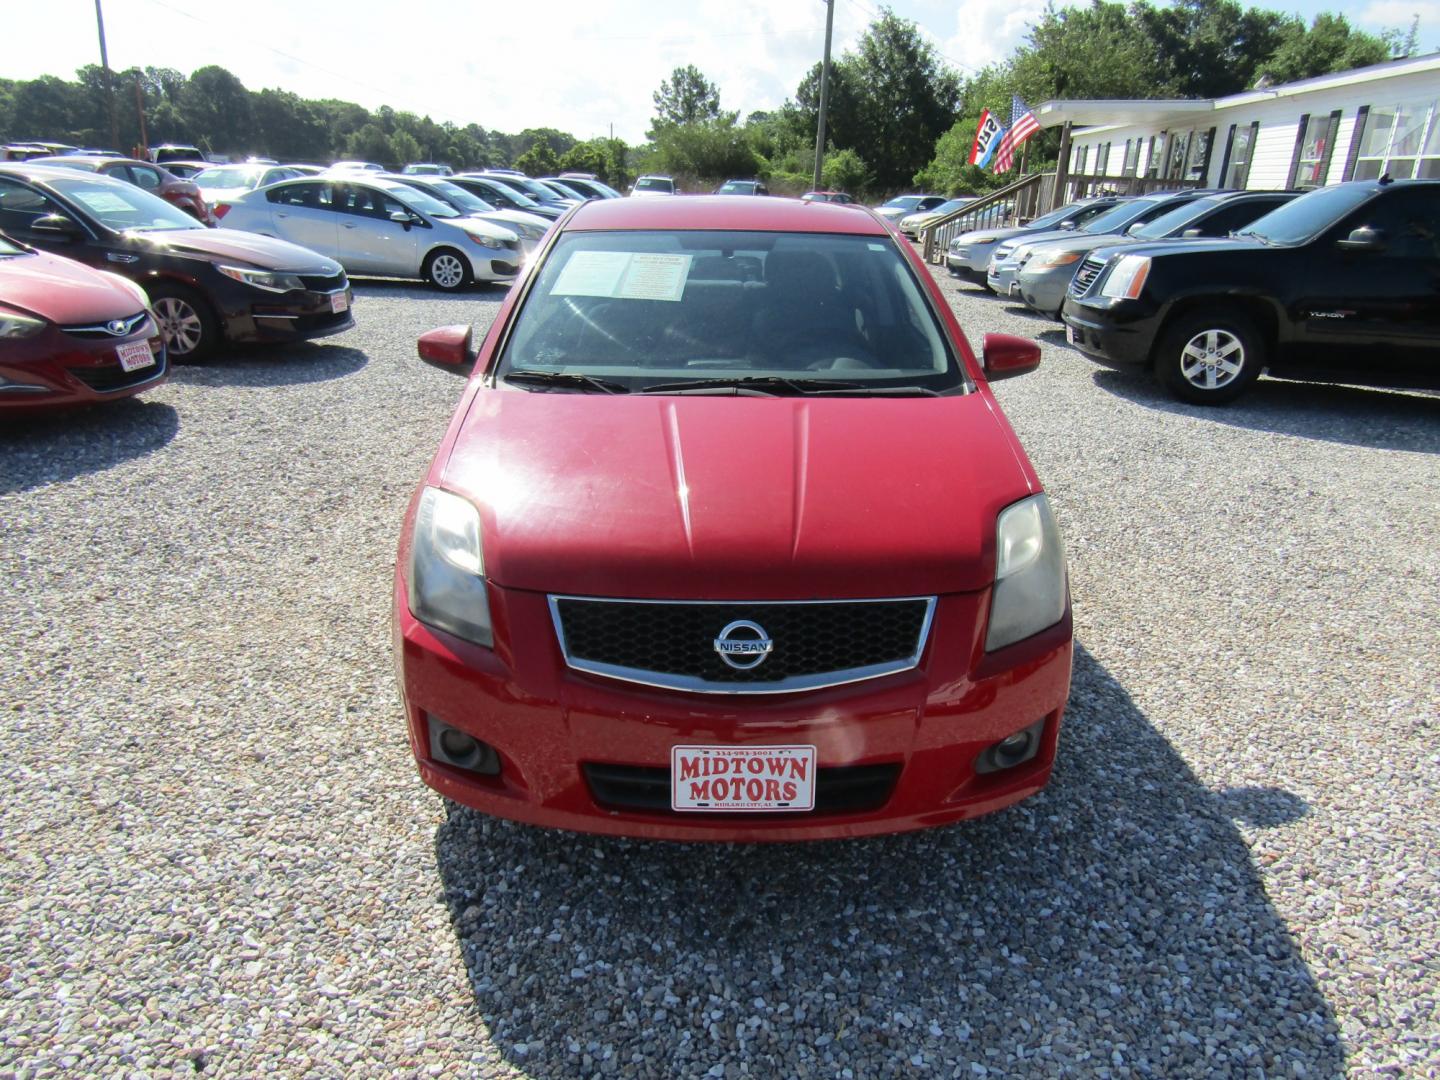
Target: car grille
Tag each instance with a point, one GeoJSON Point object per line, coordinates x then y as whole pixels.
{"type": "Point", "coordinates": [672, 645]}
{"type": "Point", "coordinates": [113, 377]}
{"type": "Point", "coordinates": [1086, 275]}
{"type": "Point", "coordinates": [500, 269]}
{"type": "Point", "coordinates": [848, 789]}
{"type": "Point", "coordinates": [129, 325]}
{"type": "Point", "coordinates": [333, 283]}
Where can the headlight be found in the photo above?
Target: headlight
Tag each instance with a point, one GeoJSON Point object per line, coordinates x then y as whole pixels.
{"type": "Point", "coordinates": [981, 240]}
{"type": "Point", "coordinates": [486, 241]}
{"type": "Point", "coordinates": [14, 327]}
{"type": "Point", "coordinates": [447, 572]}
{"type": "Point", "coordinates": [531, 232]}
{"type": "Point", "coordinates": [1049, 260]}
{"type": "Point", "coordinates": [1029, 592]}
{"type": "Point", "coordinates": [1127, 277]}
{"type": "Point", "coordinates": [268, 280]}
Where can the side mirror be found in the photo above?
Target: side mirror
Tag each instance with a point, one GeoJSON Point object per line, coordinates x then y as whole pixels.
{"type": "Point", "coordinates": [1134, 228]}
{"type": "Point", "coordinates": [1005, 356]}
{"type": "Point", "coordinates": [1191, 234]}
{"type": "Point", "coordinates": [447, 347]}
{"type": "Point", "coordinates": [58, 227]}
{"type": "Point", "coordinates": [1066, 226]}
{"type": "Point", "coordinates": [1364, 239]}
{"type": "Point", "coordinates": [400, 217]}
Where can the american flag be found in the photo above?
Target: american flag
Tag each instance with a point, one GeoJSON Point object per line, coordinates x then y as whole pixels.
{"type": "Point", "coordinates": [1022, 125]}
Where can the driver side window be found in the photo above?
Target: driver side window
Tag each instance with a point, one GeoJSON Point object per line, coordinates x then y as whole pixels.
{"type": "Point", "coordinates": [21, 205]}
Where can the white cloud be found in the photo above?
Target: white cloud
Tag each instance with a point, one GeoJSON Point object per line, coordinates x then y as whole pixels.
{"type": "Point", "coordinates": [1386, 14]}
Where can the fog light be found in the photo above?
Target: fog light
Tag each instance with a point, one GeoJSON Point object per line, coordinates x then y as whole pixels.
{"type": "Point", "coordinates": [454, 747]}
{"type": "Point", "coordinates": [1012, 750]}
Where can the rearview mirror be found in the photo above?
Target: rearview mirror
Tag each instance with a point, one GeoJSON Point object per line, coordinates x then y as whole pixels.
{"type": "Point", "coordinates": [1364, 239]}
{"type": "Point", "coordinates": [1005, 356]}
{"type": "Point", "coordinates": [447, 347]}
{"type": "Point", "coordinates": [57, 226]}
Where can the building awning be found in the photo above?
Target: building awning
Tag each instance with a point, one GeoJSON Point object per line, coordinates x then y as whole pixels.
{"type": "Point", "coordinates": [1120, 112]}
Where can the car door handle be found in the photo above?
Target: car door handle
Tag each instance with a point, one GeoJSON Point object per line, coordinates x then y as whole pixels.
{"type": "Point", "coordinates": [348, 224]}
{"type": "Point", "coordinates": [279, 214]}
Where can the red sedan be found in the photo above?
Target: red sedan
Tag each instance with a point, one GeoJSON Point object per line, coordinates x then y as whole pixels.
{"type": "Point", "coordinates": [152, 178]}
{"type": "Point", "coordinates": [70, 335]}
{"type": "Point", "coordinates": [729, 540]}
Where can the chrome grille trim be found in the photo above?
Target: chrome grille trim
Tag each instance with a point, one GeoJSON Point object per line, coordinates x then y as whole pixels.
{"type": "Point", "coordinates": [102, 330]}
{"type": "Point", "coordinates": [1085, 276]}
{"type": "Point", "coordinates": [668, 681]}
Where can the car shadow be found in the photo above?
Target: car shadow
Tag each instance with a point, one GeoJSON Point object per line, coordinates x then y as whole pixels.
{"type": "Point", "coordinates": [51, 448]}
{"type": "Point", "coordinates": [1352, 415]}
{"type": "Point", "coordinates": [1114, 922]}
{"type": "Point", "coordinates": [402, 288]}
{"type": "Point", "coordinates": [280, 365]}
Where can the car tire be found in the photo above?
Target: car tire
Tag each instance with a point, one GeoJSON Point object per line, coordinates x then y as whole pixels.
{"type": "Point", "coordinates": [447, 270]}
{"type": "Point", "coordinates": [1210, 358]}
{"type": "Point", "coordinates": [187, 321]}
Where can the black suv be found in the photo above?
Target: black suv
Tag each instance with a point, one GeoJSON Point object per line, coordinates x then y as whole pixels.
{"type": "Point", "coordinates": [1341, 285]}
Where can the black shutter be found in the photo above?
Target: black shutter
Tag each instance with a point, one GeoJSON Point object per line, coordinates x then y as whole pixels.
{"type": "Point", "coordinates": [1357, 138]}
{"type": "Point", "coordinates": [1225, 158]}
{"type": "Point", "coordinates": [1295, 156]}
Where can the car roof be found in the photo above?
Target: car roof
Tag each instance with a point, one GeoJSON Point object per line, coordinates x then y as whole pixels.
{"type": "Point", "coordinates": [737, 212]}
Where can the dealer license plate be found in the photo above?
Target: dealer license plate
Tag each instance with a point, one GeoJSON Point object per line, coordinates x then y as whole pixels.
{"type": "Point", "coordinates": [1072, 336]}
{"type": "Point", "coordinates": [1014, 287]}
{"type": "Point", "coordinates": [135, 355]}
{"type": "Point", "coordinates": [729, 778]}
{"type": "Point", "coordinates": [339, 302]}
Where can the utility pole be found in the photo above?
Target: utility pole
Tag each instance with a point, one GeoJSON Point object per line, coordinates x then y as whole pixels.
{"type": "Point", "coordinates": [109, 87]}
{"type": "Point", "coordinates": [140, 111]}
{"type": "Point", "coordinates": [824, 90]}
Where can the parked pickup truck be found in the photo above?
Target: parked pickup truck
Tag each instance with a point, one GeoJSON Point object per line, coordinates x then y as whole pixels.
{"type": "Point", "coordinates": [1340, 285]}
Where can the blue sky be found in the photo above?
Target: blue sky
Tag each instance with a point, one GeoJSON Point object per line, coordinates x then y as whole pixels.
{"type": "Point", "coordinates": [580, 67]}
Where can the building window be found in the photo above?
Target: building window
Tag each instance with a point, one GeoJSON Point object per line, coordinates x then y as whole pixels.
{"type": "Point", "coordinates": [1179, 151]}
{"type": "Point", "coordinates": [1402, 140]}
{"type": "Point", "coordinates": [1102, 159]}
{"type": "Point", "coordinates": [1237, 172]}
{"type": "Point", "coordinates": [1199, 161]}
{"type": "Point", "coordinates": [1316, 145]}
{"type": "Point", "coordinates": [1132, 157]}
{"type": "Point", "coordinates": [1084, 156]}
{"type": "Point", "coordinates": [1152, 160]}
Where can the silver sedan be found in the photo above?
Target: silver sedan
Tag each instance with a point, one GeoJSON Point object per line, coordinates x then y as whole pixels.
{"type": "Point", "coordinates": [371, 225]}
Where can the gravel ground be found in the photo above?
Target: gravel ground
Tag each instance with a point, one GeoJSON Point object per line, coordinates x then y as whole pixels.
{"type": "Point", "coordinates": [216, 858]}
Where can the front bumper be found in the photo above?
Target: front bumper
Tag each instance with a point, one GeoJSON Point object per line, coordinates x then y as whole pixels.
{"type": "Point", "coordinates": [56, 370]}
{"type": "Point", "coordinates": [1111, 332]}
{"type": "Point", "coordinates": [1002, 278]}
{"type": "Point", "coordinates": [549, 723]}
{"type": "Point", "coordinates": [292, 316]}
{"type": "Point", "coordinates": [1044, 290]}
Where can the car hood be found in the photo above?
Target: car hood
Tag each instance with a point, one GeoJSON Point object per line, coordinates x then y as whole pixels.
{"type": "Point", "coordinates": [710, 497]}
{"type": "Point", "coordinates": [64, 291]}
{"type": "Point", "coordinates": [483, 225]}
{"type": "Point", "coordinates": [999, 234]}
{"type": "Point", "coordinates": [520, 217]}
{"type": "Point", "coordinates": [265, 252]}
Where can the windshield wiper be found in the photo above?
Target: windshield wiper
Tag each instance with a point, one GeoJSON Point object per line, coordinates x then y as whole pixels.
{"type": "Point", "coordinates": [764, 384]}
{"type": "Point", "coordinates": [564, 378]}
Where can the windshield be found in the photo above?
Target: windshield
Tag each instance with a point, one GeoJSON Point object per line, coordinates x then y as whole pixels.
{"type": "Point", "coordinates": [518, 197]}
{"type": "Point", "coordinates": [7, 249]}
{"type": "Point", "coordinates": [1173, 222]}
{"type": "Point", "coordinates": [1309, 215]}
{"type": "Point", "coordinates": [649, 309]}
{"type": "Point", "coordinates": [228, 178]}
{"type": "Point", "coordinates": [953, 204]}
{"type": "Point", "coordinates": [1119, 216]}
{"type": "Point", "coordinates": [456, 194]}
{"type": "Point", "coordinates": [903, 202]}
{"type": "Point", "coordinates": [534, 188]}
{"type": "Point", "coordinates": [651, 183]}
{"type": "Point", "coordinates": [1074, 212]}
{"type": "Point", "coordinates": [426, 204]}
{"type": "Point", "coordinates": [736, 187]}
{"type": "Point", "coordinates": [123, 207]}
{"type": "Point", "coordinates": [563, 191]}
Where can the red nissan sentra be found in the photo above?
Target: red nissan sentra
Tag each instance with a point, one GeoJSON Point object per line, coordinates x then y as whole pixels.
{"type": "Point", "coordinates": [729, 540]}
{"type": "Point", "coordinates": [70, 335]}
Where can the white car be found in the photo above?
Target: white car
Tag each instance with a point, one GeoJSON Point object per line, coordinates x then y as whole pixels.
{"type": "Point", "coordinates": [654, 185]}
{"type": "Point", "coordinates": [225, 183]}
{"type": "Point", "coordinates": [531, 227]}
{"type": "Point", "coordinates": [374, 225]}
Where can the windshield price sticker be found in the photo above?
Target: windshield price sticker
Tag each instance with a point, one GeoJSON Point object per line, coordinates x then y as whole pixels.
{"type": "Point", "coordinates": [730, 778]}
{"type": "Point", "coordinates": [135, 355]}
{"type": "Point", "coordinates": [623, 275]}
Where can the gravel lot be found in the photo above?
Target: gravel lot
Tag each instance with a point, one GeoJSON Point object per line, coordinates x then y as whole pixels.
{"type": "Point", "coordinates": [216, 858]}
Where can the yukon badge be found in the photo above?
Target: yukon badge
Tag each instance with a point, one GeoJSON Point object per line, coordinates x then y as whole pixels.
{"type": "Point", "coordinates": [743, 645]}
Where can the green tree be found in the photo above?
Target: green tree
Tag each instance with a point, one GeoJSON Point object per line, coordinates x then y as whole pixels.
{"type": "Point", "coordinates": [687, 97]}
{"type": "Point", "coordinates": [845, 170]}
{"type": "Point", "coordinates": [539, 160]}
{"type": "Point", "coordinates": [1330, 44]}
{"type": "Point", "coordinates": [711, 150]}
{"type": "Point", "coordinates": [950, 172]}
{"type": "Point", "coordinates": [405, 148]}
{"type": "Point", "coordinates": [216, 107]}
{"type": "Point", "coordinates": [370, 143]}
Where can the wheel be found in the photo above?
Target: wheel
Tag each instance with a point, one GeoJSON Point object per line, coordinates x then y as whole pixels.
{"type": "Point", "coordinates": [188, 322]}
{"type": "Point", "coordinates": [1209, 358]}
{"type": "Point", "coordinates": [446, 269]}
